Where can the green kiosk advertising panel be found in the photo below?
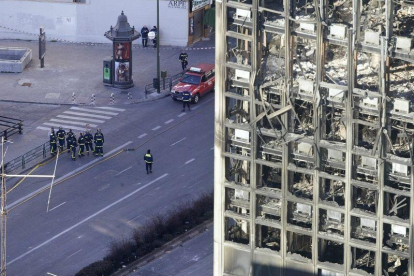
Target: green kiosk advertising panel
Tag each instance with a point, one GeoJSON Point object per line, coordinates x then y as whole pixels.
{"type": "Point", "coordinates": [107, 68]}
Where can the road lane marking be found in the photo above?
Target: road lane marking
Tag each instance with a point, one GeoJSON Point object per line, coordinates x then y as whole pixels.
{"type": "Point", "coordinates": [86, 219]}
{"type": "Point", "coordinates": [178, 141]}
{"type": "Point", "coordinates": [212, 148]}
{"type": "Point", "coordinates": [80, 119]}
{"type": "Point", "coordinates": [57, 206]}
{"type": "Point", "coordinates": [66, 175]}
{"type": "Point", "coordinates": [64, 126]}
{"type": "Point", "coordinates": [157, 127]}
{"type": "Point", "coordinates": [111, 108]}
{"type": "Point", "coordinates": [203, 104]}
{"type": "Point", "coordinates": [123, 171]}
{"type": "Point", "coordinates": [94, 111]}
{"type": "Point", "coordinates": [192, 185]}
{"type": "Point", "coordinates": [182, 114]}
{"type": "Point", "coordinates": [72, 123]}
{"type": "Point", "coordinates": [73, 254]}
{"type": "Point", "coordinates": [189, 161]}
{"type": "Point", "coordinates": [142, 135]}
{"type": "Point", "coordinates": [43, 128]}
{"type": "Point", "coordinates": [87, 115]}
{"type": "Point", "coordinates": [169, 121]}
{"type": "Point", "coordinates": [134, 218]}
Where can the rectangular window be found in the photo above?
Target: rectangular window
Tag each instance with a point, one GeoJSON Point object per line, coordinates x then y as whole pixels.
{"type": "Point", "coordinates": [268, 237]}
{"type": "Point", "coordinates": [300, 245]}
{"type": "Point", "coordinates": [237, 231]}
{"type": "Point", "coordinates": [331, 222]}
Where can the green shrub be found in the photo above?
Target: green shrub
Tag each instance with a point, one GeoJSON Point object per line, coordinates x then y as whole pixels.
{"type": "Point", "coordinates": [121, 251]}
{"type": "Point", "coordinates": [158, 243]}
{"type": "Point", "coordinates": [99, 268]}
{"type": "Point", "coordinates": [167, 237]}
{"type": "Point", "coordinates": [153, 234]}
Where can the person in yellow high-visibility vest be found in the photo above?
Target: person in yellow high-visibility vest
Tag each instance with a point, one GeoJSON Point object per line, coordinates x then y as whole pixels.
{"type": "Point", "coordinates": [186, 100]}
{"type": "Point", "coordinates": [149, 159]}
{"type": "Point", "coordinates": [81, 142]}
{"type": "Point", "coordinates": [53, 141]}
{"type": "Point", "coordinates": [61, 134]}
{"type": "Point", "coordinates": [184, 60]}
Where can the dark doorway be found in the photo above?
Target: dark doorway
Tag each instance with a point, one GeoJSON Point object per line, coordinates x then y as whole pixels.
{"type": "Point", "coordinates": [198, 25]}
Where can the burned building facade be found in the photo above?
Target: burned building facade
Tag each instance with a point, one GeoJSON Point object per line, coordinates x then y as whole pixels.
{"type": "Point", "coordinates": [314, 125]}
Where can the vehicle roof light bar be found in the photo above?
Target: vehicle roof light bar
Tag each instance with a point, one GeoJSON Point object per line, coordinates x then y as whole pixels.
{"type": "Point", "coordinates": [195, 69]}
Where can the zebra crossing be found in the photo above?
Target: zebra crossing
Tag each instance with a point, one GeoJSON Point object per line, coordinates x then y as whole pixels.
{"type": "Point", "coordinates": [81, 118]}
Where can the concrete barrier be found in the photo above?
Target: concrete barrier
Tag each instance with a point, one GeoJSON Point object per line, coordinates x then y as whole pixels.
{"type": "Point", "coordinates": [14, 60]}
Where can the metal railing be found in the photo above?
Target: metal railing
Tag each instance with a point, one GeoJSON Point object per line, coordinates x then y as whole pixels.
{"type": "Point", "coordinates": [165, 84]}
{"type": "Point", "coordinates": [37, 154]}
{"type": "Point", "coordinates": [10, 126]}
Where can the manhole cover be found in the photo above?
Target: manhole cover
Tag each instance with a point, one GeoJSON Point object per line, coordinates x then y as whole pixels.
{"type": "Point", "coordinates": [52, 95]}
{"type": "Point", "coordinates": [25, 82]}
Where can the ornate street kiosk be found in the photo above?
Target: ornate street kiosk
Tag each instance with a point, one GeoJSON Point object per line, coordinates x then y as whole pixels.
{"type": "Point", "coordinates": [117, 71]}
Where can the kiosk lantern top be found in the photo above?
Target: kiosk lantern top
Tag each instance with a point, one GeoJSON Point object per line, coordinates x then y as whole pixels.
{"type": "Point", "coordinates": [122, 31]}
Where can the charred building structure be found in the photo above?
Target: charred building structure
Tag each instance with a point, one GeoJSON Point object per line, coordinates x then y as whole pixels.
{"type": "Point", "coordinates": [314, 134]}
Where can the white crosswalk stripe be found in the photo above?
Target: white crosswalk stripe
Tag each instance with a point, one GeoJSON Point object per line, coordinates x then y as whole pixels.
{"type": "Point", "coordinates": [43, 128]}
{"type": "Point", "coordinates": [72, 123]}
{"type": "Point", "coordinates": [88, 115]}
{"type": "Point", "coordinates": [94, 111]}
{"type": "Point", "coordinates": [64, 126]}
{"type": "Point", "coordinates": [111, 108]}
{"type": "Point", "coordinates": [80, 118]}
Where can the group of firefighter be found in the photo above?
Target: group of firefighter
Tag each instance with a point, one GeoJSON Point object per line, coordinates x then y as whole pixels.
{"type": "Point", "coordinates": [85, 141]}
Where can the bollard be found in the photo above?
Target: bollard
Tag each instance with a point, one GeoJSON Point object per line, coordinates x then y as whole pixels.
{"type": "Point", "coordinates": [93, 99]}
{"type": "Point", "coordinates": [5, 134]}
{"type": "Point", "coordinates": [23, 162]}
{"type": "Point", "coordinates": [20, 127]}
{"type": "Point", "coordinates": [44, 151]}
{"type": "Point", "coordinates": [112, 98]}
{"type": "Point", "coordinates": [73, 98]}
{"type": "Point", "coordinates": [129, 96]}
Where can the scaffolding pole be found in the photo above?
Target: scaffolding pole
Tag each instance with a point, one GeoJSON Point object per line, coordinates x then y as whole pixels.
{"type": "Point", "coordinates": [3, 213]}
{"type": "Point", "coordinates": [3, 209]}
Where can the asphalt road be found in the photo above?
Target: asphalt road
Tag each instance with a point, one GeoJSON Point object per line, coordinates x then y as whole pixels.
{"type": "Point", "coordinates": [194, 257]}
{"type": "Point", "coordinates": [103, 199]}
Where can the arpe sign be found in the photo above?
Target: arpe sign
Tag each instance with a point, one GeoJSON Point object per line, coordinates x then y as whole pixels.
{"type": "Point", "coordinates": [177, 4]}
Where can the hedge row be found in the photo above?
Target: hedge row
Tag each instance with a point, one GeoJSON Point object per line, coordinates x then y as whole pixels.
{"type": "Point", "coordinates": [157, 231]}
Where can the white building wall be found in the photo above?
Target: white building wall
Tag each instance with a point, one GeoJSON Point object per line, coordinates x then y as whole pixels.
{"type": "Point", "coordinates": [89, 21]}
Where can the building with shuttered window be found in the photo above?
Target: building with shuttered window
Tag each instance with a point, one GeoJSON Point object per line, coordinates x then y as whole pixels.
{"type": "Point", "coordinates": [314, 138]}
{"type": "Point", "coordinates": [181, 21]}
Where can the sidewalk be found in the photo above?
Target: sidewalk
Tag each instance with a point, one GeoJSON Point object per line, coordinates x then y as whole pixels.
{"type": "Point", "coordinates": [77, 68]}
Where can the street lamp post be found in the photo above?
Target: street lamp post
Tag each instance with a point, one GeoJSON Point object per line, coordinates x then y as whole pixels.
{"type": "Point", "coordinates": [156, 37]}
{"type": "Point", "coordinates": [158, 47]}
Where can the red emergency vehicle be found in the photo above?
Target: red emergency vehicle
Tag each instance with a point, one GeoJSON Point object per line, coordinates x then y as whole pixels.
{"type": "Point", "coordinates": [197, 80]}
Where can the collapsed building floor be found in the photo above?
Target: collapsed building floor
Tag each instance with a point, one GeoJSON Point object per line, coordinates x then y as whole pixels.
{"type": "Point", "coordinates": [315, 127]}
